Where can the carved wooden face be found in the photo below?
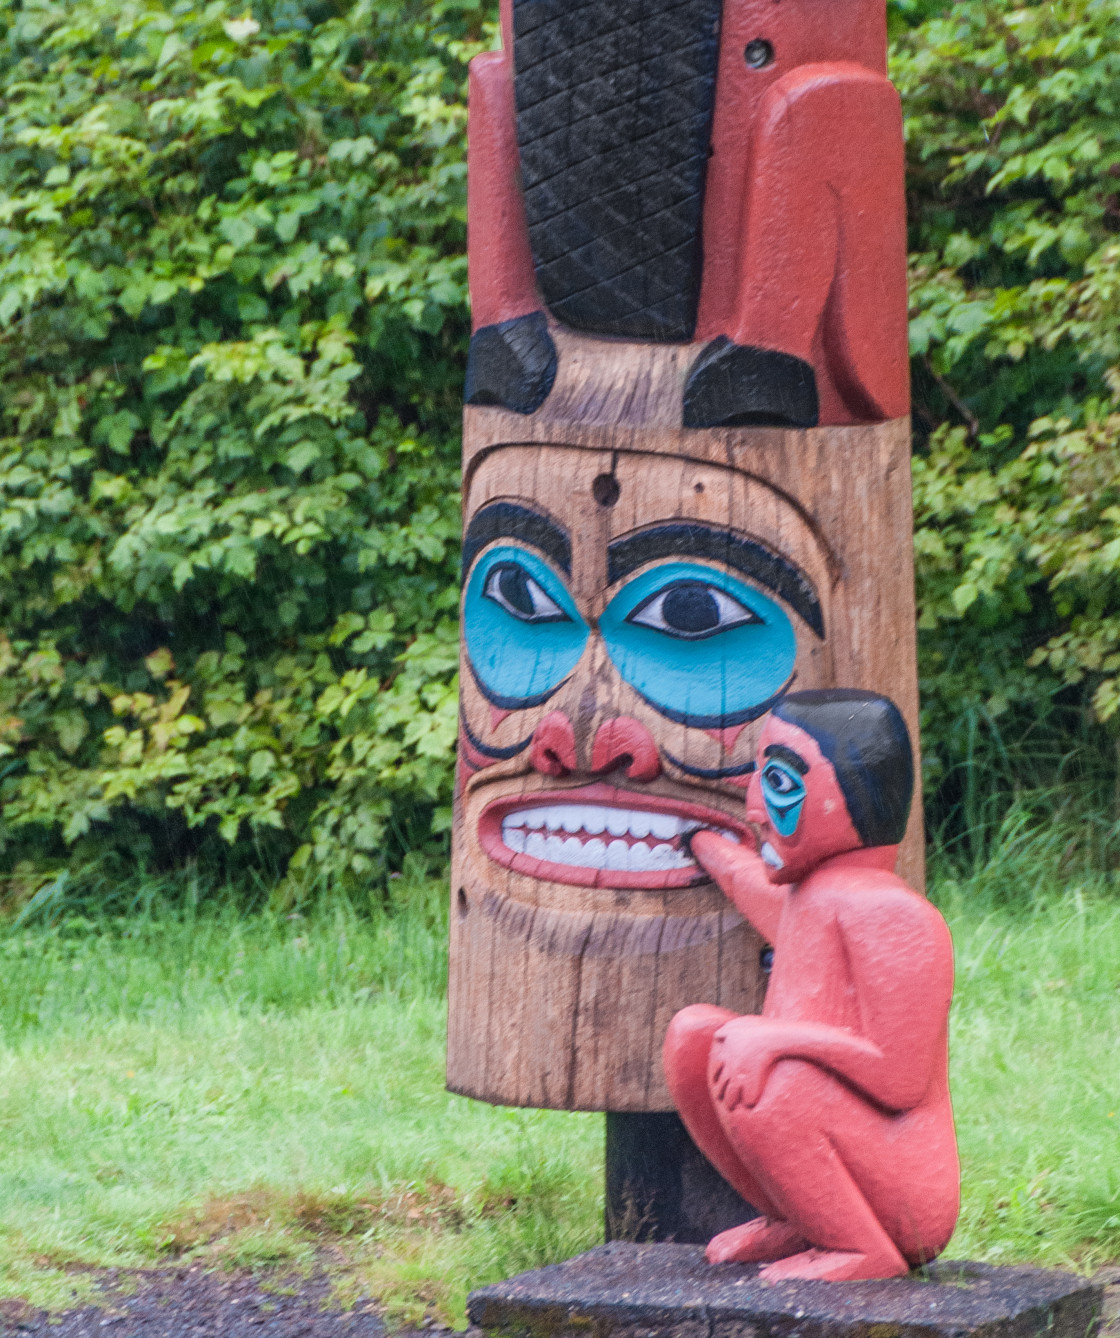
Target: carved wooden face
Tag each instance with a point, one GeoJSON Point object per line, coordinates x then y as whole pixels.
{"type": "Point", "coordinates": [627, 624]}
{"type": "Point", "coordinates": [796, 802]}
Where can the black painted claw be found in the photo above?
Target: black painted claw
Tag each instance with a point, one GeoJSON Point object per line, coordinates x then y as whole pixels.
{"type": "Point", "coordinates": [735, 385]}
{"type": "Point", "coordinates": [512, 364]}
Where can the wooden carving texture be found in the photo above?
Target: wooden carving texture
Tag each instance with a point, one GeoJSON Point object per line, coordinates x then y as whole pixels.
{"type": "Point", "coordinates": [560, 995]}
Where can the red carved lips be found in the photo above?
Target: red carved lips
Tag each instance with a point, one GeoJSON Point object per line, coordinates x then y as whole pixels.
{"type": "Point", "coordinates": [600, 836]}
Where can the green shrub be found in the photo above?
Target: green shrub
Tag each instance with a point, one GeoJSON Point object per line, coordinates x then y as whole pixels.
{"type": "Point", "coordinates": [232, 326]}
{"type": "Point", "coordinates": [232, 296]}
{"type": "Point", "coordinates": [1014, 175]}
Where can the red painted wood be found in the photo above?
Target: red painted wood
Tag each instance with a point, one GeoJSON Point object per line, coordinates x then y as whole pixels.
{"type": "Point", "coordinates": [499, 262]}
{"type": "Point", "coordinates": [553, 750]}
{"type": "Point", "coordinates": [830, 1112]}
{"type": "Point", "coordinates": [624, 744]}
{"type": "Point", "coordinates": [821, 271]}
{"type": "Point", "coordinates": [804, 217]}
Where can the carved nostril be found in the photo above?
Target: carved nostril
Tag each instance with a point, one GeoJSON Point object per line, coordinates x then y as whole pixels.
{"type": "Point", "coordinates": [625, 743]}
{"type": "Point", "coordinates": [553, 750]}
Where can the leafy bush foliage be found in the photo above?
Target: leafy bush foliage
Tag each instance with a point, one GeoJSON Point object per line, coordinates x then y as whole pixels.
{"type": "Point", "coordinates": [232, 322]}
{"type": "Point", "coordinates": [232, 295]}
{"type": "Point", "coordinates": [1014, 149]}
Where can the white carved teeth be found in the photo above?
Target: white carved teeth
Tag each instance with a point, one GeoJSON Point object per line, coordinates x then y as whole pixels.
{"type": "Point", "coordinates": [595, 819]}
{"type": "Point", "coordinates": [770, 856]}
{"type": "Point", "coordinates": [618, 821]}
{"type": "Point", "coordinates": [591, 836]}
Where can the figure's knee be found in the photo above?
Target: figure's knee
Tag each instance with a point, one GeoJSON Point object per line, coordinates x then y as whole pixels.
{"type": "Point", "coordinates": [492, 155]}
{"type": "Point", "coordinates": [512, 359]}
{"type": "Point", "coordinates": [687, 1044]}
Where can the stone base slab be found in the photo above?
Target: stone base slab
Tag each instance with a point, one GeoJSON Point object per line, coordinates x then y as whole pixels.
{"type": "Point", "coordinates": [624, 1290]}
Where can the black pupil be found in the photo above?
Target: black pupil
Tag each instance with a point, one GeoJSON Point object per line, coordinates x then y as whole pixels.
{"type": "Point", "coordinates": [690, 607]}
{"type": "Point", "coordinates": [513, 584]}
{"type": "Point", "coordinates": [779, 780]}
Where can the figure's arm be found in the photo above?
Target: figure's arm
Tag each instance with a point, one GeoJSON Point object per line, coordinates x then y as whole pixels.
{"type": "Point", "coordinates": [741, 876]}
{"type": "Point", "coordinates": [901, 962]}
{"type": "Point", "coordinates": [499, 262]}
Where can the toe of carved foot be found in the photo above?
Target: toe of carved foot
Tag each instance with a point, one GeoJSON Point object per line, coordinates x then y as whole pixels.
{"type": "Point", "coordinates": [758, 1241]}
{"type": "Point", "coordinates": [735, 385]}
{"type": "Point", "coordinates": [511, 364]}
{"type": "Point", "coordinates": [835, 1266]}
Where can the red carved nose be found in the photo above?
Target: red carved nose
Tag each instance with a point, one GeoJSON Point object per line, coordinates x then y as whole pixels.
{"type": "Point", "coordinates": [553, 750]}
{"type": "Point", "coordinates": [625, 742]}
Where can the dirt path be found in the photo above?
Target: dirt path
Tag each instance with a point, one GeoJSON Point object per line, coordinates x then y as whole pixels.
{"type": "Point", "coordinates": [193, 1303]}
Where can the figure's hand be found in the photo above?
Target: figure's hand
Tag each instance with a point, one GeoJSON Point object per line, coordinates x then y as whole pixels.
{"type": "Point", "coordinates": [725, 860]}
{"type": "Point", "coordinates": [740, 874]}
{"type": "Point", "coordinates": [740, 1062]}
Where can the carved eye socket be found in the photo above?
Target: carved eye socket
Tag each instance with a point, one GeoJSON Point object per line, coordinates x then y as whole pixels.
{"type": "Point", "coordinates": [758, 54]}
{"type": "Point", "coordinates": [782, 782]}
{"type": "Point", "coordinates": [691, 610]}
{"type": "Point", "coordinates": [512, 588]}
{"type": "Point", "coordinates": [784, 794]}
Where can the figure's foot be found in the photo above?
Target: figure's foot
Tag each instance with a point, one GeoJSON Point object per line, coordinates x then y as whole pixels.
{"type": "Point", "coordinates": [735, 385]}
{"type": "Point", "coordinates": [512, 364]}
{"type": "Point", "coordinates": [756, 1242]}
{"type": "Point", "coordinates": [835, 1266]}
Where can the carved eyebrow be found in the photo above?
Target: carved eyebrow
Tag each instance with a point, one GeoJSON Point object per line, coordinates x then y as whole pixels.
{"type": "Point", "coordinates": [507, 520]}
{"type": "Point", "coordinates": [692, 539]}
{"type": "Point", "coordinates": [786, 755]}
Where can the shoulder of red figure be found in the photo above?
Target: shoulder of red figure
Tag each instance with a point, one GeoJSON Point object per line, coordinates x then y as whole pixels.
{"type": "Point", "coordinates": [862, 898]}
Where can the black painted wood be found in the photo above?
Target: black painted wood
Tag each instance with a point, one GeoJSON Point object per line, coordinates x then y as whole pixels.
{"type": "Point", "coordinates": [660, 1187]}
{"type": "Point", "coordinates": [614, 112]}
{"type": "Point", "coordinates": [512, 364]}
{"type": "Point", "coordinates": [734, 385]}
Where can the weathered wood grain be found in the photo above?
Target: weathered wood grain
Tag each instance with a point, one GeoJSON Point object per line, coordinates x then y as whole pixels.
{"type": "Point", "coordinates": [559, 995]}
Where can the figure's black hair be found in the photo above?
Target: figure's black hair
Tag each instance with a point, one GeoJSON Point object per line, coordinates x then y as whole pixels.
{"type": "Point", "coordinates": [864, 736]}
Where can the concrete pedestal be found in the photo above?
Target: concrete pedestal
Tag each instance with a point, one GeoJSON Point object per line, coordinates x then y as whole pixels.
{"type": "Point", "coordinates": [623, 1290]}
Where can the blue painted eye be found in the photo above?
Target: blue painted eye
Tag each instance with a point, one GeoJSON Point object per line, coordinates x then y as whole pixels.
{"type": "Point", "coordinates": [692, 610]}
{"type": "Point", "coordinates": [522, 631]}
{"type": "Point", "coordinates": [511, 587]}
{"type": "Point", "coordinates": [700, 646]}
{"type": "Point", "coordinates": [783, 791]}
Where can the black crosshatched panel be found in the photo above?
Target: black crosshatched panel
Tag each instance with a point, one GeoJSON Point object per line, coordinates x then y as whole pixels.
{"type": "Point", "coordinates": [614, 111]}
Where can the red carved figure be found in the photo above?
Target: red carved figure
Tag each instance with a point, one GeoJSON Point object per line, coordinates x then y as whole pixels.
{"type": "Point", "coordinates": [829, 1112]}
{"type": "Point", "coordinates": [727, 173]}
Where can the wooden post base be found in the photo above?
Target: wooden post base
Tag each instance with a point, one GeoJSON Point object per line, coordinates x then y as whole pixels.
{"type": "Point", "coordinates": [661, 1187]}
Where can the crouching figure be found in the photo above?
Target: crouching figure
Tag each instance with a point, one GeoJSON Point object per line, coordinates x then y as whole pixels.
{"type": "Point", "coordinates": [830, 1111]}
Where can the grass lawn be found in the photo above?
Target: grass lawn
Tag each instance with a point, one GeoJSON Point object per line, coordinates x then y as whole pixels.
{"type": "Point", "coordinates": [265, 1091]}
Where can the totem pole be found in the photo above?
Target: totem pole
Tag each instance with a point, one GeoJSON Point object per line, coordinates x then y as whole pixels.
{"type": "Point", "coordinates": [686, 491]}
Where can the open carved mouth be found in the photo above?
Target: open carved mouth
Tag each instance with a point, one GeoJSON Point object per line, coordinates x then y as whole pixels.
{"type": "Point", "coordinates": [599, 836]}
